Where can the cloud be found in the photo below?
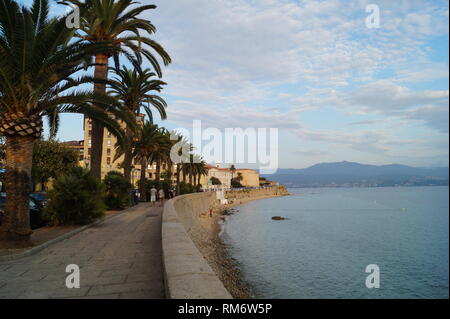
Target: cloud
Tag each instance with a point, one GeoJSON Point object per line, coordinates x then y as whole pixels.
{"type": "Point", "coordinates": [228, 45]}
{"type": "Point", "coordinates": [387, 99]}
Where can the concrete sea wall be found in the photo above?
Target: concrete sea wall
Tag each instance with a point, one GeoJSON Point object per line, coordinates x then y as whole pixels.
{"type": "Point", "coordinates": [187, 274]}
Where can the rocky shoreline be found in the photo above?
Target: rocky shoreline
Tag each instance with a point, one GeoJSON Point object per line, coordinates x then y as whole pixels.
{"type": "Point", "coordinates": [206, 236]}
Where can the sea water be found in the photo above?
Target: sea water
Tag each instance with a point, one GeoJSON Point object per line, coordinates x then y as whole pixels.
{"type": "Point", "coordinates": [331, 235]}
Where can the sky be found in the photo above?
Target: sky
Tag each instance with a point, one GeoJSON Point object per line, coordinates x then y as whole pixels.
{"type": "Point", "coordinates": [336, 89]}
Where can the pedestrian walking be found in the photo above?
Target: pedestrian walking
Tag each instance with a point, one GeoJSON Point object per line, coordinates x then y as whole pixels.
{"type": "Point", "coordinates": [161, 196]}
{"type": "Point", "coordinates": [153, 193]}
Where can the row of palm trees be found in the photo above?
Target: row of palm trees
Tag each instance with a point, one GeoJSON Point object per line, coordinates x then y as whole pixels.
{"type": "Point", "coordinates": [154, 145]}
{"type": "Point", "coordinates": [43, 68]}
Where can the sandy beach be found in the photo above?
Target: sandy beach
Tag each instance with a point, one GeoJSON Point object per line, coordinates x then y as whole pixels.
{"type": "Point", "coordinates": [206, 237]}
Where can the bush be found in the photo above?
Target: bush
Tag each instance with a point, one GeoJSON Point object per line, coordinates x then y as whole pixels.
{"type": "Point", "coordinates": [76, 198]}
{"type": "Point", "coordinates": [235, 183]}
{"type": "Point", "coordinates": [186, 188]}
{"type": "Point", "coordinates": [117, 189]}
{"type": "Point", "coordinates": [215, 181]}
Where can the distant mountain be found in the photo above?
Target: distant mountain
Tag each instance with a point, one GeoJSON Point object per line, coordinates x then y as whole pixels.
{"type": "Point", "coordinates": [356, 174]}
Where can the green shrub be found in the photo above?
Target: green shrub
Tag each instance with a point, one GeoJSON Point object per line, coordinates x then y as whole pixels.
{"type": "Point", "coordinates": [235, 183]}
{"type": "Point", "coordinates": [117, 190]}
{"type": "Point", "coordinates": [215, 181]}
{"type": "Point", "coordinates": [76, 198]}
{"type": "Point", "coordinates": [186, 188]}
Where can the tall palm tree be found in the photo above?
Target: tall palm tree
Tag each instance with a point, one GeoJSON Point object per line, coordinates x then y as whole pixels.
{"type": "Point", "coordinates": [162, 154]}
{"type": "Point", "coordinates": [202, 170]}
{"type": "Point", "coordinates": [133, 88]}
{"type": "Point", "coordinates": [38, 63]}
{"type": "Point", "coordinates": [148, 142]}
{"type": "Point", "coordinates": [189, 169]}
{"type": "Point", "coordinates": [232, 170]}
{"type": "Point", "coordinates": [195, 168]}
{"type": "Point", "coordinates": [180, 151]}
{"type": "Point", "coordinates": [166, 158]}
{"type": "Point", "coordinates": [118, 23]}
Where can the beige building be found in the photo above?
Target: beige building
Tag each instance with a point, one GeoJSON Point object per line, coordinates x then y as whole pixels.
{"type": "Point", "coordinates": [250, 177]}
{"type": "Point", "coordinates": [108, 153]}
{"type": "Point", "coordinates": [223, 174]}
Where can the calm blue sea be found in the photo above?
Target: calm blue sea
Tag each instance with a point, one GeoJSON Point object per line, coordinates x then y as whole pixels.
{"type": "Point", "coordinates": [332, 234]}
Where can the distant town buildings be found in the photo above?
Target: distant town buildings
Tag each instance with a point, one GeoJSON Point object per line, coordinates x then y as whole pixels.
{"type": "Point", "coordinates": [222, 174]}
{"type": "Point", "coordinates": [248, 177]}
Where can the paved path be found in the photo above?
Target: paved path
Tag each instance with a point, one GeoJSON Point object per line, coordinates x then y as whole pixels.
{"type": "Point", "coordinates": [119, 258]}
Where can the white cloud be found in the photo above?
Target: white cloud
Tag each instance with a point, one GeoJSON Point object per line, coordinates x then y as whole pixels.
{"type": "Point", "coordinates": [388, 99]}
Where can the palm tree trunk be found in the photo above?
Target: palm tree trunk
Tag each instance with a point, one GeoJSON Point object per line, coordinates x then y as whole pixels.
{"type": "Point", "coordinates": [190, 178]}
{"type": "Point", "coordinates": [158, 170]}
{"type": "Point", "coordinates": [184, 174]}
{"type": "Point", "coordinates": [170, 168]}
{"type": "Point", "coordinates": [178, 178]}
{"type": "Point", "coordinates": [15, 229]}
{"type": "Point", "coordinates": [143, 184]}
{"type": "Point", "coordinates": [128, 156]}
{"type": "Point", "coordinates": [101, 72]}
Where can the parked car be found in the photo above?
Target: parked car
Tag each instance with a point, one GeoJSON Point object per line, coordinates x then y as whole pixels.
{"type": "Point", "coordinates": [36, 220]}
{"type": "Point", "coordinates": [40, 197]}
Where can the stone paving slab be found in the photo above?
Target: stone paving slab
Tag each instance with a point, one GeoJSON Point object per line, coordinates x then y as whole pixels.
{"type": "Point", "coordinates": [118, 258]}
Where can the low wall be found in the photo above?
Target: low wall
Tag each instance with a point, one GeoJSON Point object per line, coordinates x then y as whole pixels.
{"type": "Point", "coordinates": [187, 274]}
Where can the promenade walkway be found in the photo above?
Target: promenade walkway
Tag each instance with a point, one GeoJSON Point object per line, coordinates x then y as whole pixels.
{"type": "Point", "coordinates": [118, 258]}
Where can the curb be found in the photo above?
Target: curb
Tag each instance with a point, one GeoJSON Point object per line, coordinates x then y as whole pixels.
{"type": "Point", "coordinates": [72, 233]}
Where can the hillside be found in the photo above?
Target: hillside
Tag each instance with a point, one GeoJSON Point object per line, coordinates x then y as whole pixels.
{"type": "Point", "coordinates": [356, 174]}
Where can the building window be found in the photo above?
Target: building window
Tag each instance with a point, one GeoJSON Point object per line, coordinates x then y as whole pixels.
{"type": "Point", "coordinates": [90, 142]}
{"type": "Point", "coordinates": [89, 151]}
{"type": "Point", "coordinates": [108, 152]}
{"type": "Point", "coordinates": [90, 133]}
{"type": "Point", "coordinates": [108, 142]}
{"type": "Point", "coordinates": [108, 160]}
{"type": "Point", "coordinates": [108, 134]}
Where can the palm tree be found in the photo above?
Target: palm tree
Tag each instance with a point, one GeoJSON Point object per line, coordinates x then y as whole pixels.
{"type": "Point", "coordinates": [162, 155]}
{"type": "Point", "coordinates": [195, 168]}
{"type": "Point", "coordinates": [232, 170]}
{"type": "Point", "coordinates": [38, 62]}
{"type": "Point", "coordinates": [165, 155]}
{"type": "Point", "coordinates": [133, 89]}
{"type": "Point", "coordinates": [148, 142]}
{"type": "Point", "coordinates": [117, 23]}
{"type": "Point", "coordinates": [202, 170]}
{"type": "Point", "coordinates": [180, 150]}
